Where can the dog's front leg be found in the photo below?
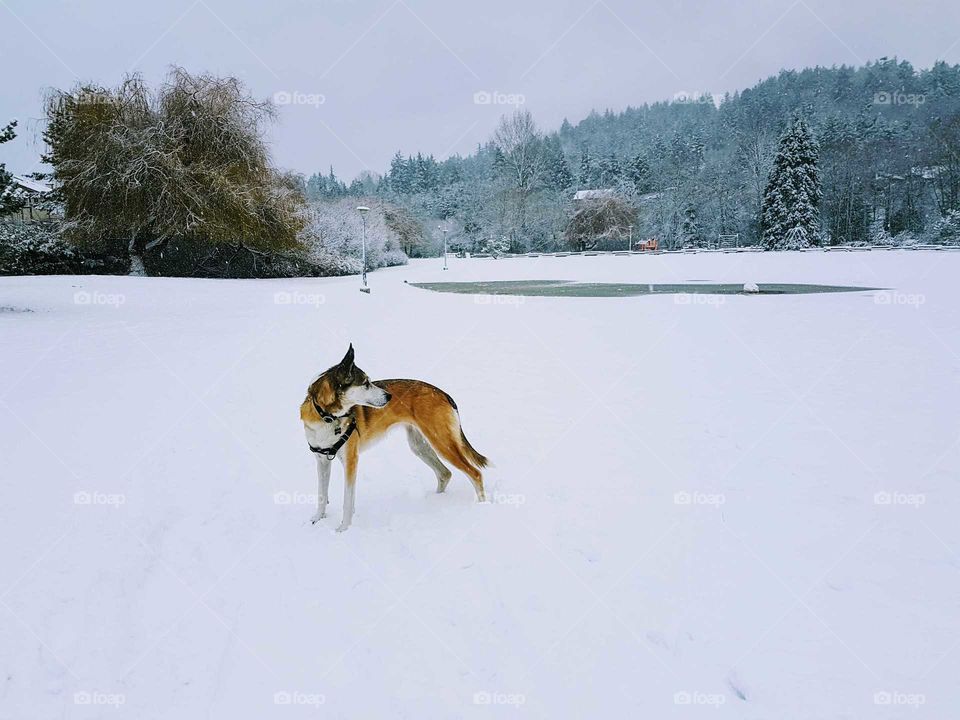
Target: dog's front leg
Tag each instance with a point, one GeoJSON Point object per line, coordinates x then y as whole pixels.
{"type": "Point", "coordinates": [323, 487]}
{"type": "Point", "coordinates": [350, 458]}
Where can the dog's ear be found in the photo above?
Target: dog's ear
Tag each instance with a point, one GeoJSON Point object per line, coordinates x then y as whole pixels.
{"type": "Point", "coordinates": [347, 361]}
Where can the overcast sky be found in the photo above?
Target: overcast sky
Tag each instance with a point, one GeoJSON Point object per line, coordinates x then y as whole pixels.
{"type": "Point", "coordinates": [403, 74]}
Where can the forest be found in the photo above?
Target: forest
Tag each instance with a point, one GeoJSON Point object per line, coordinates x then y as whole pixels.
{"type": "Point", "coordinates": [693, 169]}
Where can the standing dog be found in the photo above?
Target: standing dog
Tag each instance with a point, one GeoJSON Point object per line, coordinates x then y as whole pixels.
{"type": "Point", "coordinates": [344, 413]}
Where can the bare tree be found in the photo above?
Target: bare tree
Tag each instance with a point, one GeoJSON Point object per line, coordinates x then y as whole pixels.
{"type": "Point", "coordinates": [521, 160]}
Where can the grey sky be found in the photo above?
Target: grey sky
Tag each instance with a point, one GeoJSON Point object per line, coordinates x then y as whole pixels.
{"type": "Point", "coordinates": [402, 74]}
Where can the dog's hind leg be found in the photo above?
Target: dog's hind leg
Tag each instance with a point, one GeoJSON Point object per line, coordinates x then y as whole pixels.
{"type": "Point", "coordinates": [449, 449]}
{"type": "Point", "coordinates": [421, 448]}
{"type": "Point", "coordinates": [323, 487]}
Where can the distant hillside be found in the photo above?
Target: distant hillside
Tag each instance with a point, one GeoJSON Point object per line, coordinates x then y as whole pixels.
{"type": "Point", "coordinates": [696, 168]}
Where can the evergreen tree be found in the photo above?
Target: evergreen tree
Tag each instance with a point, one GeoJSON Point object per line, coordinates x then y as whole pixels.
{"type": "Point", "coordinates": [637, 174]}
{"type": "Point", "coordinates": [559, 177]}
{"type": "Point", "coordinates": [399, 180]}
{"type": "Point", "coordinates": [7, 202]}
{"type": "Point", "coordinates": [586, 176]}
{"type": "Point", "coordinates": [790, 216]}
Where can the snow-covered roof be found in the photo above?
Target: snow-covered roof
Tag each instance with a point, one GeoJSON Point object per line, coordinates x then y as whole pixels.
{"type": "Point", "coordinates": [31, 184]}
{"type": "Point", "coordinates": [599, 194]}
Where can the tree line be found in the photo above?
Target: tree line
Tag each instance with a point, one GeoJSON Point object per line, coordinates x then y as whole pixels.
{"type": "Point", "coordinates": [879, 143]}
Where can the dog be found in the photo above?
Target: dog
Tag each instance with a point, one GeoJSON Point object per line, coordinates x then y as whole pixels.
{"type": "Point", "coordinates": [344, 413]}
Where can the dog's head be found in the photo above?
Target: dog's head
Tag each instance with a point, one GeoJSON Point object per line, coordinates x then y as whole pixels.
{"type": "Point", "coordinates": [345, 386]}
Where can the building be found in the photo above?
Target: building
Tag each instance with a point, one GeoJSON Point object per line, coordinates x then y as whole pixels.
{"type": "Point", "coordinates": [36, 203]}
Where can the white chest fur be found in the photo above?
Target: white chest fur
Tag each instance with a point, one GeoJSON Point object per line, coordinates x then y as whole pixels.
{"type": "Point", "coordinates": [322, 434]}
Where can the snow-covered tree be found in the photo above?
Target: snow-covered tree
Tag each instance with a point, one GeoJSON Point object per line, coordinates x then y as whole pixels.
{"type": "Point", "coordinates": [138, 168]}
{"type": "Point", "coordinates": [8, 201]}
{"type": "Point", "coordinates": [790, 215]}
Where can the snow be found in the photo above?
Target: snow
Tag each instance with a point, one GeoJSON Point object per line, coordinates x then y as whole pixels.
{"type": "Point", "coordinates": [751, 287]}
{"type": "Point", "coordinates": [737, 509]}
{"type": "Point", "coordinates": [31, 184]}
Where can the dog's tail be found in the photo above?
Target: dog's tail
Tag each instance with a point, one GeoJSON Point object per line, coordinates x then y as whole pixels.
{"type": "Point", "coordinates": [471, 452]}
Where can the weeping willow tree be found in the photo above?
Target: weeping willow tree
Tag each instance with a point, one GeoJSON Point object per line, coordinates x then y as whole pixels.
{"type": "Point", "coordinates": [137, 168]}
{"type": "Point", "coordinates": [605, 220]}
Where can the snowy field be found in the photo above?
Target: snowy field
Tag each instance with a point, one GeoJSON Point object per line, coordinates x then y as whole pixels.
{"type": "Point", "coordinates": [714, 507]}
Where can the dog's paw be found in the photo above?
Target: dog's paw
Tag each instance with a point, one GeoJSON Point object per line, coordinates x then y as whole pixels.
{"type": "Point", "coordinates": [342, 527]}
{"type": "Point", "coordinates": [318, 516]}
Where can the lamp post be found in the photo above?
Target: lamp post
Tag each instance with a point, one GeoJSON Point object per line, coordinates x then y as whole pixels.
{"type": "Point", "coordinates": [630, 241]}
{"type": "Point", "coordinates": [444, 230]}
{"type": "Point", "coordinates": [363, 210]}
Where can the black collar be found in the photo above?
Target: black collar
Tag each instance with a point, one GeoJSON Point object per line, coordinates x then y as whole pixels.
{"type": "Point", "coordinates": [327, 416]}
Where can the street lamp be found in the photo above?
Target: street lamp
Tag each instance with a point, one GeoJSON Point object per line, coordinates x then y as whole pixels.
{"type": "Point", "coordinates": [630, 241]}
{"type": "Point", "coordinates": [444, 230]}
{"type": "Point", "coordinates": [363, 210]}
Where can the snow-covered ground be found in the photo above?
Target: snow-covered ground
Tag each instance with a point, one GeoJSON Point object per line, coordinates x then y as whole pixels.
{"type": "Point", "coordinates": [738, 507]}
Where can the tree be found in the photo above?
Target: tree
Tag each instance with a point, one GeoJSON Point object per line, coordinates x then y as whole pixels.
{"type": "Point", "coordinates": [521, 155]}
{"type": "Point", "coordinates": [598, 220]}
{"type": "Point", "coordinates": [138, 168]}
{"type": "Point", "coordinates": [790, 215]}
{"type": "Point", "coordinates": [8, 201]}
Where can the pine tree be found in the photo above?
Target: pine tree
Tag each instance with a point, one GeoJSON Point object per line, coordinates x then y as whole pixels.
{"type": "Point", "coordinates": [586, 175]}
{"type": "Point", "coordinates": [559, 177]}
{"type": "Point", "coordinates": [399, 180]}
{"type": "Point", "coordinates": [790, 216]}
{"type": "Point", "coordinates": [637, 173]}
{"type": "Point", "coordinates": [7, 201]}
